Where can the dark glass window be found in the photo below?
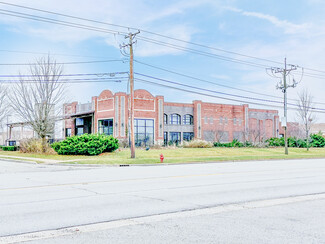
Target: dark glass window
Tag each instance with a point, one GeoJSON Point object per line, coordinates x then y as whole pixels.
{"type": "Point", "coordinates": [105, 126]}
{"type": "Point", "coordinates": [68, 132]}
{"type": "Point", "coordinates": [165, 119]}
{"type": "Point", "coordinates": [12, 143]}
{"type": "Point", "coordinates": [175, 119]}
{"type": "Point", "coordinates": [188, 119]}
{"type": "Point", "coordinates": [79, 121]}
{"type": "Point", "coordinates": [143, 132]}
{"type": "Point", "coordinates": [165, 138]}
{"type": "Point", "coordinates": [175, 137]}
{"type": "Point", "coordinates": [188, 136]}
{"type": "Point", "coordinates": [79, 131]}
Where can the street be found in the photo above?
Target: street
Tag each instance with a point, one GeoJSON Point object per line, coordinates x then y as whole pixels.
{"type": "Point", "coordinates": [236, 202]}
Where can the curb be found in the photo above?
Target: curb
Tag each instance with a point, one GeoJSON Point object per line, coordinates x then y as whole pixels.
{"type": "Point", "coordinates": [187, 163]}
{"type": "Point", "coordinates": [19, 161]}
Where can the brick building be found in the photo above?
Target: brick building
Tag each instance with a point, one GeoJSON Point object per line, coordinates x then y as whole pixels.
{"type": "Point", "coordinates": [158, 122]}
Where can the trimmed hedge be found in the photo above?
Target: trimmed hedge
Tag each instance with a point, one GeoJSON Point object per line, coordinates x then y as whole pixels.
{"type": "Point", "coordinates": [9, 148]}
{"type": "Point", "coordinates": [234, 143]}
{"type": "Point", "coordinates": [87, 144]}
{"type": "Point", "coordinates": [315, 140]}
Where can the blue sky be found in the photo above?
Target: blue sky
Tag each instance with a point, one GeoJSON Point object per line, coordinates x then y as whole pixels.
{"type": "Point", "coordinates": [266, 29]}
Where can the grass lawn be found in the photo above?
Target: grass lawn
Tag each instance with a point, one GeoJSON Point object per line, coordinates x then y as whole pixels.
{"type": "Point", "coordinates": [180, 155]}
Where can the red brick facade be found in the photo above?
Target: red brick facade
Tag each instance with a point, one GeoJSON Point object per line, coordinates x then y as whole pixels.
{"type": "Point", "coordinates": [210, 121]}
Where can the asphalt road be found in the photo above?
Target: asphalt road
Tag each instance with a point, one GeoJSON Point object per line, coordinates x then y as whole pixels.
{"type": "Point", "coordinates": [242, 202]}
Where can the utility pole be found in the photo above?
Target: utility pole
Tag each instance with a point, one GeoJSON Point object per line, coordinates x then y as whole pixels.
{"type": "Point", "coordinates": [284, 85]}
{"type": "Point", "coordinates": [131, 37]}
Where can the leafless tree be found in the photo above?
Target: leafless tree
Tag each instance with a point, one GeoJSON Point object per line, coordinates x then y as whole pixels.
{"type": "Point", "coordinates": [3, 106]}
{"type": "Point", "coordinates": [36, 100]}
{"type": "Point", "coordinates": [305, 113]}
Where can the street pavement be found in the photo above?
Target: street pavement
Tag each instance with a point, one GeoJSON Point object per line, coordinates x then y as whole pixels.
{"type": "Point", "coordinates": [237, 202]}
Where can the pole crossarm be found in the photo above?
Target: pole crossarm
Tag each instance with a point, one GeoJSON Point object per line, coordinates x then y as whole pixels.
{"type": "Point", "coordinates": [283, 85]}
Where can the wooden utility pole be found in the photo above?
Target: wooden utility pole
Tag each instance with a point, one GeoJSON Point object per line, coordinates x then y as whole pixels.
{"type": "Point", "coordinates": [131, 36]}
{"type": "Point", "coordinates": [285, 107]}
{"type": "Point", "coordinates": [283, 85]}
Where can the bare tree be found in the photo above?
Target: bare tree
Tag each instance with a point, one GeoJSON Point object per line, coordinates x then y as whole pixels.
{"type": "Point", "coordinates": [36, 100]}
{"type": "Point", "coordinates": [3, 106]}
{"type": "Point", "coordinates": [305, 113]}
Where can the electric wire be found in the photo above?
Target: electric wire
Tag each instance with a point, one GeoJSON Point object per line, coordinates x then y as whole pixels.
{"type": "Point", "coordinates": [150, 32]}
{"type": "Point", "coordinates": [47, 53]}
{"type": "Point", "coordinates": [217, 92]}
{"type": "Point", "coordinates": [64, 63]}
{"type": "Point", "coordinates": [78, 79]}
{"type": "Point", "coordinates": [142, 30]}
{"type": "Point", "coordinates": [67, 75]}
{"type": "Point", "coordinates": [214, 83]}
{"type": "Point", "coordinates": [146, 39]}
{"type": "Point", "coordinates": [59, 82]}
{"type": "Point", "coordinates": [214, 96]}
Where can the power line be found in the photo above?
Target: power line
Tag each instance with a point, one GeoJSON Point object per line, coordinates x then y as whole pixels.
{"type": "Point", "coordinates": [146, 39]}
{"type": "Point", "coordinates": [213, 83]}
{"type": "Point", "coordinates": [47, 53]}
{"type": "Point", "coordinates": [207, 90]}
{"type": "Point", "coordinates": [65, 63]}
{"type": "Point", "coordinates": [86, 27]}
{"type": "Point", "coordinates": [203, 80]}
{"type": "Point", "coordinates": [202, 53]}
{"type": "Point", "coordinates": [60, 82]}
{"type": "Point", "coordinates": [214, 96]}
{"type": "Point", "coordinates": [149, 32]}
{"type": "Point", "coordinates": [142, 30]}
{"type": "Point", "coordinates": [111, 74]}
{"type": "Point", "coordinates": [58, 22]}
{"type": "Point", "coordinates": [57, 77]}
{"type": "Point", "coordinates": [222, 93]}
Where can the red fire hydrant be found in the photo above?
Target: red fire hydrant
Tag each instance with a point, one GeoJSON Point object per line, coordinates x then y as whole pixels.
{"type": "Point", "coordinates": [161, 158]}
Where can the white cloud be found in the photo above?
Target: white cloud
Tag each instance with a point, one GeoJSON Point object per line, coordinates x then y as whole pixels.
{"type": "Point", "coordinates": [288, 27]}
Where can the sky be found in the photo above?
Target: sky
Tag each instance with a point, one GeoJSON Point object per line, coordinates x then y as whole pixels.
{"type": "Point", "coordinates": [268, 30]}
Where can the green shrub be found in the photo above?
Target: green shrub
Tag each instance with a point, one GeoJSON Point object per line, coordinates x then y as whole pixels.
{"type": "Point", "coordinates": [275, 142]}
{"type": "Point", "coordinates": [197, 144]}
{"type": "Point", "coordinates": [317, 140]}
{"type": "Point", "coordinates": [9, 148]}
{"type": "Point", "coordinates": [301, 143]}
{"type": "Point", "coordinates": [87, 144]}
{"type": "Point", "coordinates": [292, 142]}
{"type": "Point", "coordinates": [234, 143]}
{"type": "Point", "coordinates": [248, 144]}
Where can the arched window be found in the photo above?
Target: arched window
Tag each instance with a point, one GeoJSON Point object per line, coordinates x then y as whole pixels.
{"type": "Point", "coordinates": [165, 119]}
{"type": "Point", "coordinates": [188, 119]}
{"type": "Point", "coordinates": [175, 119]}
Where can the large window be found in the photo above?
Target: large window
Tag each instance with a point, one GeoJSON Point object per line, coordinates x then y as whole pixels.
{"type": "Point", "coordinates": [165, 119]}
{"type": "Point", "coordinates": [188, 136]}
{"type": "Point", "coordinates": [105, 126]}
{"type": "Point", "coordinates": [144, 131]}
{"type": "Point", "coordinates": [175, 137]}
{"type": "Point", "coordinates": [188, 119]}
{"type": "Point", "coordinates": [175, 119]}
{"type": "Point", "coordinates": [79, 129]}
